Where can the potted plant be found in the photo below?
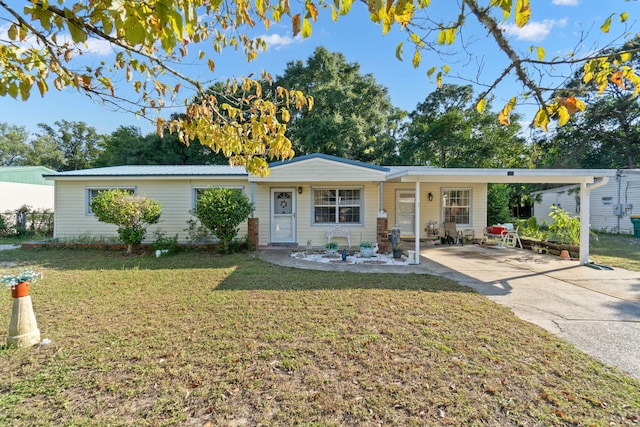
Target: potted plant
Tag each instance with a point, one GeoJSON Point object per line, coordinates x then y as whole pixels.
{"type": "Point", "coordinates": [397, 249]}
{"type": "Point", "coordinates": [331, 248]}
{"type": "Point", "coordinates": [366, 250]}
{"type": "Point", "coordinates": [20, 282]}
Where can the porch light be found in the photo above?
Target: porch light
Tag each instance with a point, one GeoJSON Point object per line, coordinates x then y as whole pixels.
{"type": "Point", "coordinates": [299, 190]}
{"type": "Point", "coordinates": [430, 197]}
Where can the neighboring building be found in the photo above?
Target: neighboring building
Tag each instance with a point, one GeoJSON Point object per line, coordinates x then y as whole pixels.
{"type": "Point", "coordinates": [25, 185]}
{"type": "Point", "coordinates": [610, 205]}
{"type": "Point", "coordinates": [305, 197]}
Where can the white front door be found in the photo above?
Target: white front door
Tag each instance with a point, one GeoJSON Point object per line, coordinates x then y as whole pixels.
{"type": "Point", "coordinates": [283, 215]}
{"type": "Point", "coordinates": [406, 212]}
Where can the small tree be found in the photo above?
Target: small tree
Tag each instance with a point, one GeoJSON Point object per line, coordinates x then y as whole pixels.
{"type": "Point", "coordinates": [132, 214]}
{"type": "Point", "coordinates": [222, 210]}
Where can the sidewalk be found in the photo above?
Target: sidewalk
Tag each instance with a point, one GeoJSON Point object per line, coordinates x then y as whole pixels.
{"type": "Point", "coordinates": [598, 311]}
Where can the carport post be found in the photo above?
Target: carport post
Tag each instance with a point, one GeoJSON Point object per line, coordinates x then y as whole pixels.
{"type": "Point", "coordinates": [416, 257]}
{"type": "Point", "coordinates": [585, 213]}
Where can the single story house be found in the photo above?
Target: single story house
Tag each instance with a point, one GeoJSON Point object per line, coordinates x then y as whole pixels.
{"type": "Point", "coordinates": [304, 198]}
{"type": "Point", "coordinates": [611, 204]}
{"type": "Point", "coordinates": [25, 185]}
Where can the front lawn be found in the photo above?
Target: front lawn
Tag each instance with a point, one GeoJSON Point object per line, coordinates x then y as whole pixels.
{"type": "Point", "coordinates": [198, 339]}
{"type": "Point", "coordinates": [617, 251]}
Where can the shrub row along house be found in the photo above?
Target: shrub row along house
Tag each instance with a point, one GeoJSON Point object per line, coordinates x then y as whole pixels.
{"type": "Point", "coordinates": [304, 198]}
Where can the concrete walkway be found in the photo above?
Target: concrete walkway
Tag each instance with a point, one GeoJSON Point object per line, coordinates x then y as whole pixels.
{"type": "Point", "coordinates": [598, 311]}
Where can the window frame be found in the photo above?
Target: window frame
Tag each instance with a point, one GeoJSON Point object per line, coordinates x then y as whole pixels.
{"type": "Point", "coordinates": [468, 207]}
{"type": "Point", "coordinates": [88, 191]}
{"type": "Point", "coordinates": [336, 205]}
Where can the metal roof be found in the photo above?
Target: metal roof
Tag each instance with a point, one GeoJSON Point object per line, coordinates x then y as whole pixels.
{"type": "Point", "coordinates": [153, 171]}
{"type": "Point", "coordinates": [25, 174]}
{"type": "Point", "coordinates": [506, 175]}
{"type": "Point", "coordinates": [331, 158]}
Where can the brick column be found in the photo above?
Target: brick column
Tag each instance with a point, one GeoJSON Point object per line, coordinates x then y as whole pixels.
{"type": "Point", "coordinates": [254, 231]}
{"type": "Point", "coordinates": [382, 236]}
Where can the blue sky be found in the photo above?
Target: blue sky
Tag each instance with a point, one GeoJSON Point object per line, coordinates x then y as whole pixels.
{"type": "Point", "coordinates": [556, 25]}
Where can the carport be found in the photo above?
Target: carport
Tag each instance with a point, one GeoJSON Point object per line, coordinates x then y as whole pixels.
{"type": "Point", "coordinates": [588, 179]}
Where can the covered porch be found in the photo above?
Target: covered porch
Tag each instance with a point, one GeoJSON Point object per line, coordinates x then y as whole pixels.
{"type": "Point", "coordinates": [423, 179]}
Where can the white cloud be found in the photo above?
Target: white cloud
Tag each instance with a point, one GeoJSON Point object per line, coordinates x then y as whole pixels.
{"type": "Point", "coordinates": [535, 30]}
{"type": "Point", "coordinates": [276, 41]}
{"type": "Point", "coordinates": [565, 2]}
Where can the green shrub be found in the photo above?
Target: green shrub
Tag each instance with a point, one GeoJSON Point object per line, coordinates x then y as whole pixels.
{"type": "Point", "coordinates": [222, 210]}
{"type": "Point", "coordinates": [162, 242]}
{"type": "Point", "coordinates": [530, 228]}
{"type": "Point", "coordinates": [132, 214]}
{"type": "Point", "coordinates": [565, 227]}
{"type": "Point", "coordinates": [198, 233]}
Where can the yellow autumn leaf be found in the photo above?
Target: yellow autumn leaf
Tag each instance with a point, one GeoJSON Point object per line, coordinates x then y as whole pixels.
{"type": "Point", "coordinates": [399, 51]}
{"type": "Point", "coordinates": [446, 69]}
{"type": "Point", "coordinates": [541, 120]}
{"type": "Point", "coordinates": [334, 13]}
{"type": "Point", "coordinates": [625, 56]}
{"type": "Point", "coordinates": [606, 26]}
{"type": "Point", "coordinates": [523, 12]}
{"type": "Point", "coordinates": [503, 118]}
{"type": "Point", "coordinates": [306, 28]}
{"type": "Point", "coordinates": [563, 115]}
{"type": "Point", "coordinates": [345, 6]}
{"type": "Point", "coordinates": [211, 64]}
{"type": "Point", "coordinates": [480, 106]}
{"type": "Point", "coordinates": [624, 16]}
{"type": "Point", "coordinates": [12, 32]}
{"type": "Point", "coordinates": [416, 59]}
{"type": "Point", "coordinates": [540, 51]}
{"type": "Point", "coordinates": [430, 71]}
{"type": "Point", "coordinates": [285, 115]}
{"type": "Point", "coordinates": [439, 80]}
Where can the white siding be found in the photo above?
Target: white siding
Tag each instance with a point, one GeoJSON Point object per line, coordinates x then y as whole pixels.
{"type": "Point", "coordinates": [432, 210]}
{"type": "Point", "coordinates": [602, 203]}
{"type": "Point", "coordinates": [13, 195]}
{"type": "Point", "coordinates": [175, 196]}
{"type": "Point", "coordinates": [306, 230]}
{"type": "Point", "coordinates": [311, 170]}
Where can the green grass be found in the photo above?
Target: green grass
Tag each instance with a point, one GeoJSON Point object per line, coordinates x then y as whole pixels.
{"type": "Point", "coordinates": [197, 338]}
{"type": "Point", "coordinates": [617, 251]}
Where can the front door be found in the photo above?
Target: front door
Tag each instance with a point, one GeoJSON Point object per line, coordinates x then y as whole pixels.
{"type": "Point", "coordinates": [406, 212]}
{"type": "Point", "coordinates": [283, 215]}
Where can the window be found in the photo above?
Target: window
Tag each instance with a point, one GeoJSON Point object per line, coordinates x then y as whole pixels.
{"type": "Point", "coordinates": [457, 206]}
{"type": "Point", "coordinates": [197, 192]}
{"type": "Point", "coordinates": [337, 206]}
{"type": "Point", "coordinates": [93, 192]}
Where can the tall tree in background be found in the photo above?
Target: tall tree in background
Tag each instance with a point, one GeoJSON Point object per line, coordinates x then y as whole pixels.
{"type": "Point", "coordinates": [13, 145]}
{"type": "Point", "coordinates": [44, 151]}
{"type": "Point", "coordinates": [79, 143]}
{"type": "Point", "coordinates": [127, 146]}
{"type": "Point", "coordinates": [447, 131]}
{"type": "Point", "coordinates": [350, 109]}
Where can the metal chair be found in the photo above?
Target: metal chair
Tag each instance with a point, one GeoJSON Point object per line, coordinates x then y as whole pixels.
{"type": "Point", "coordinates": [451, 234]}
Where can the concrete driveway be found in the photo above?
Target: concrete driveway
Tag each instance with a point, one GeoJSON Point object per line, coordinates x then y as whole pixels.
{"type": "Point", "coordinates": [598, 311]}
